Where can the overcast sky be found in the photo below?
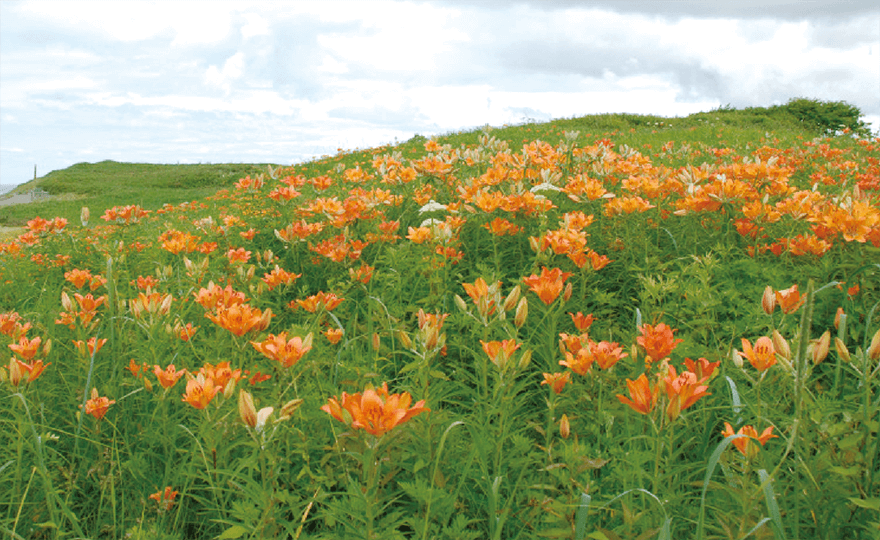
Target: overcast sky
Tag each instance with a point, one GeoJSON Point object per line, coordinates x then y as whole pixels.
{"type": "Point", "coordinates": [285, 81]}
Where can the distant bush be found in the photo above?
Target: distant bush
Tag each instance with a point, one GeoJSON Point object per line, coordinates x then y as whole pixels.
{"type": "Point", "coordinates": [827, 116]}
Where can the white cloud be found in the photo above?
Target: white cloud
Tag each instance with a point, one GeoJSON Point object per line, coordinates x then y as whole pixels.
{"type": "Point", "coordinates": [280, 81]}
{"type": "Point", "coordinates": [232, 69]}
{"type": "Point", "coordinates": [256, 26]}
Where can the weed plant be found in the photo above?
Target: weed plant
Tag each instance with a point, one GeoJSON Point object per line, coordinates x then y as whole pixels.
{"type": "Point", "coordinates": [603, 327]}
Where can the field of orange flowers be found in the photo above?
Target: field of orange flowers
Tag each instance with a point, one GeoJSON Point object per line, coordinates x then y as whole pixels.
{"type": "Point", "coordinates": [571, 340]}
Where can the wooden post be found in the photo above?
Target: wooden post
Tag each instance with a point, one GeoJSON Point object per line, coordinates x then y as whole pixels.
{"type": "Point", "coordinates": [35, 171]}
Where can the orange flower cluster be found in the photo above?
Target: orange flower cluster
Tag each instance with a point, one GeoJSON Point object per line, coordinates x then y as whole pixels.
{"type": "Point", "coordinates": [657, 341]}
{"type": "Point", "coordinates": [88, 310]}
{"type": "Point", "coordinates": [124, 214]}
{"type": "Point", "coordinates": [279, 276]}
{"type": "Point", "coordinates": [284, 351]}
{"type": "Point", "coordinates": [374, 410]}
{"type": "Point", "coordinates": [548, 285]}
{"type": "Point", "coordinates": [745, 444]}
{"type": "Point", "coordinates": [321, 300]}
{"type": "Point", "coordinates": [98, 406]}
{"type": "Point", "coordinates": [240, 319]}
{"type": "Point", "coordinates": [80, 277]}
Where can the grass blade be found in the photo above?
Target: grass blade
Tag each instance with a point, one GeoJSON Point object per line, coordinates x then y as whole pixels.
{"type": "Point", "coordinates": [772, 506]}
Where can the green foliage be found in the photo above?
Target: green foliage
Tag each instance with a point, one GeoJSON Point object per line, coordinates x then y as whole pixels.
{"type": "Point", "coordinates": [828, 117]}
{"type": "Point", "coordinates": [445, 303]}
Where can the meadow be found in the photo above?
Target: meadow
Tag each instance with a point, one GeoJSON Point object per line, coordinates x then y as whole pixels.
{"type": "Point", "coordinates": [607, 327]}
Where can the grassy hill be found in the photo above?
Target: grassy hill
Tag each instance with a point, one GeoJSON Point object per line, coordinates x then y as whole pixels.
{"type": "Point", "coordinates": [106, 184]}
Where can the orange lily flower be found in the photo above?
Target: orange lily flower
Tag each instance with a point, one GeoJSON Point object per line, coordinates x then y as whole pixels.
{"type": "Point", "coordinates": [215, 296]}
{"type": "Point", "coordinates": [557, 381]}
{"type": "Point", "coordinates": [28, 348]}
{"type": "Point", "coordinates": [78, 277]}
{"type": "Point", "coordinates": [375, 410]}
{"type": "Point", "coordinates": [333, 335]}
{"type": "Point", "coordinates": [500, 351]}
{"type": "Point", "coordinates": [763, 355]}
{"type": "Point", "coordinates": [165, 499]}
{"type": "Point", "coordinates": [279, 348]}
{"type": "Point", "coordinates": [548, 285]}
{"type": "Point", "coordinates": [221, 375]}
{"type": "Point", "coordinates": [186, 332]}
{"type": "Point", "coordinates": [644, 395]}
{"type": "Point", "coordinates": [745, 445]}
{"type": "Point", "coordinates": [328, 301]}
{"type": "Point", "coordinates": [606, 353]}
{"type": "Point", "coordinates": [97, 406]}
{"type": "Point", "coordinates": [18, 369]}
{"type": "Point", "coordinates": [579, 362]}
{"type": "Point", "coordinates": [683, 391]}
{"type": "Point", "coordinates": [93, 345]}
{"type": "Point", "coordinates": [582, 322]}
{"type": "Point", "coordinates": [169, 376]}
{"type": "Point", "coordinates": [241, 319]}
{"type": "Point", "coordinates": [279, 276]}
{"type": "Point", "coordinates": [703, 368]}
{"type": "Point", "coordinates": [200, 391]}
{"type": "Point", "coordinates": [790, 300]}
{"type": "Point", "coordinates": [657, 341]}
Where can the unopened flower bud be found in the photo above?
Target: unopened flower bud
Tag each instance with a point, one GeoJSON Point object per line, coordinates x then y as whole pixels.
{"type": "Point", "coordinates": [522, 311]}
{"type": "Point", "coordinates": [376, 341]}
{"type": "Point", "coordinates": [820, 348]}
{"type": "Point", "coordinates": [841, 349]}
{"type": "Point", "coordinates": [737, 358]}
{"type": "Point", "coordinates": [874, 349]}
{"type": "Point", "coordinates": [564, 427]}
{"type": "Point", "coordinates": [460, 303]}
{"type": "Point", "coordinates": [781, 345]}
{"type": "Point", "coordinates": [404, 339]}
{"type": "Point", "coordinates": [525, 359]}
{"type": "Point", "coordinates": [289, 408]}
{"type": "Point", "coordinates": [566, 294]}
{"type": "Point", "coordinates": [768, 301]}
{"type": "Point", "coordinates": [246, 409]}
{"type": "Point", "coordinates": [839, 317]}
{"type": "Point", "coordinates": [512, 299]}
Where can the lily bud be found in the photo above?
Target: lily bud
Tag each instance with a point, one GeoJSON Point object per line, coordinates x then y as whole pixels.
{"type": "Point", "coordinates": [781, 345]}
{"type": "Point", "coordinates": [768, 301]}
{"type": "Point", "coordinates": [66, 303]}
{"type": "Point", "coordinates": [512, 299]}
{"type": "Point", "coordinates": [460, 303]}
{"type": "Point", "coordinates": [14, 372]}
{"type": "Point", "coordinates": [737, 358]}
{"type": "Point", "coordinates": [376, 341]}
{"type": "Point", "coordinates": [289, 408]}
{"type": "Point", "coordinates": [566, 294]}
{"type": "Point", "coordinates": [839, 317]}
{"type": "Point", "coordinates": [874, 349]}
{"type": "Point", "coordinates": [564, 427]}
{"type": "Point", "coordinates": [820, 348]}
{"type": "Point", "coordinates": [841, 349]}
{"type": "Point", "coordinates": [404, 339]}
{"type": "Point", "coordinates": [246, 409]}
{"type": "Point", "coordinates": [525, 359]}
{"type": "Point", "coordinates": [522, 311]}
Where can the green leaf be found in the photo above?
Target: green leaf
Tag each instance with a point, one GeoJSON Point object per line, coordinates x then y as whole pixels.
{"type": "Point", "coordinates": [236, 531]}
{"type": "Point", "coordinates": [772, 506]}
{"type": "Point", "coordinates": [870, 504]}
{"type": "Point", "coordinates": [581, 519]}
